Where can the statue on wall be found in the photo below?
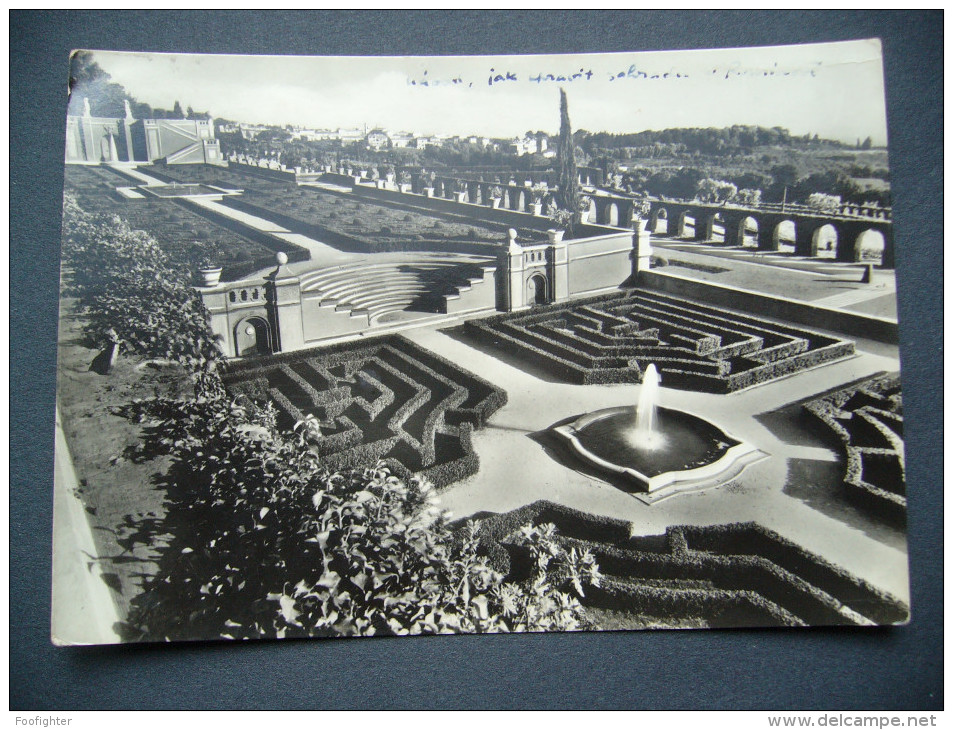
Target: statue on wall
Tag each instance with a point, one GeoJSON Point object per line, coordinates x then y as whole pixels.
{"type": "Point", "coordinates": [125, 103]}
{"type": "Point", "coordinates": [86, 111]}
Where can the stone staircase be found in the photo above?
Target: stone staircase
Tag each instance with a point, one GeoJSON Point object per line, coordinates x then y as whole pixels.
{"type": "Point", "coordinates": [425, 283]}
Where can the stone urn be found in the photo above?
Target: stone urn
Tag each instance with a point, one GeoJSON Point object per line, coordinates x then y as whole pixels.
{"type": "Point", "coordinates": [429, 192]}
{"type": "Point", "coordinates": [537, 208]}
{"type": "Point", "coordinates": [495, 202]}
{"type": "Point", "coordinates": [210, 275]}
{"type": "Point", "coordinates": [461, 197]}
{"type": "Point", "coordinates": [555, 235]}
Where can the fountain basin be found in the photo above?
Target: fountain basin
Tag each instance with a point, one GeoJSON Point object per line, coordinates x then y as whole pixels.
{"type": "Point", "coordinates": [692, 453]}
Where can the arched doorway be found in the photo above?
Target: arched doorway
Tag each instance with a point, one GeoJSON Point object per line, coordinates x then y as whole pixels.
{"type": "Point", "coordinates": [870, 247]}
{"type": "Point", "coordinates": [536, 290]}
{"type": "Point", "coordinates": [613, 214]}
{"type": "Point", "coordinates": [825, 242]}
{"type": "Point", "coordinates": [749, 232]}
{"type": "Point", "coordinates": [252, 337]}
{"type": "Point", "coordinates": [719, 228]}
{"type": "Point", "coordinates": [659, 221]}
{"type": "Point", "coordinates": [785, 234]}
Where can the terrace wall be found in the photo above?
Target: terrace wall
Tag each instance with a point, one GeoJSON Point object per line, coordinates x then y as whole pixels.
{"type": "Point", "coordinates": [792, 310]}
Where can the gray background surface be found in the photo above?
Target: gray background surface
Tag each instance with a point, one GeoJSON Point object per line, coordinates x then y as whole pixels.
{"type": "Point", "coordinates": [898, 668]}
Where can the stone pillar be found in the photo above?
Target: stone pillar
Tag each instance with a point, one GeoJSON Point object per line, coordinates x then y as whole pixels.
{"type": "Point", "coordinates": [558, 256]}
{"type": "Point", "coordinates": [214, 299]}
{"type": "Point", "coordinates": [473, 191]}
{"type": "Point", "coordinates": [804, 238]}
{"type": "Point", "coordinates": [90, 148]}
{"type": "Point", "coordinates": [127, 132]}
{"type": "Point", "coordinates": [734, 231]}
{"type": "Point", "coordinates": [846, 242]}
{"type": "Point", "coordinates": [676, 223]}
{"type": "Point", "coordinates": [515, 291]}
{"type": "Point", "coordinates": [704, 221]}
{"type": "Point", "coordinates": [641, 248]}
{"type": "Point", "coordinates": [766, 239]}
{"type": "Point", "coordinates": [286, 309]}
{"type": "Point", "coordinates": [889, 255]}
{"type": "Point", "coordinates": [626, 210]}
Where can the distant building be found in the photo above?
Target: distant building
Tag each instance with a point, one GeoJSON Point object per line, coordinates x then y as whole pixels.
{"type": "Point", "coordinates": [92, 139]}
{"type": "Point", "coordinates": [377, 139]}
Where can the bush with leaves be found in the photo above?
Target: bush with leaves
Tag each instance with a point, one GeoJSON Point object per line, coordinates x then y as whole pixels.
{"type": "Point", "coordinates": [265, 542]}
{"type": "Point", "coordinates": [128, 289]}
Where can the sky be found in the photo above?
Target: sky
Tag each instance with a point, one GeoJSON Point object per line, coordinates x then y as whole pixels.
{"type": "Point", "coordinates": [834, 90]}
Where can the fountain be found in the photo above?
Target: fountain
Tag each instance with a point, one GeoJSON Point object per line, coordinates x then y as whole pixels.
{"type": "Point", "coordinates": [646, 435]}
{"type": "Point", "coordinates": [657, 450]}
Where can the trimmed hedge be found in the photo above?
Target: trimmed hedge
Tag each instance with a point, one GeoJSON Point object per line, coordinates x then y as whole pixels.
{"type": "Point", "coordinates": [862, 414]}
{"type": "Point", "coordinates": [407, 403]}
{"type": "Point", "coordinates": [725, 575]}
{"type": "Point", "coordinates": [612, 338]}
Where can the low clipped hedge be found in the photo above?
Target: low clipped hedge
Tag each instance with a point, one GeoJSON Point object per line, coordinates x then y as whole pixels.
{"type": "Point", "coordinates": [878, 399]}
{"type": "Point", "coordinates": [731, 574]}
{"type": "Point", "coordinates": [753, 539]}
{"type": "Point", "coordinates": [435, 442]}
{"type": "Point", "coordinates": [759, 351]}
{"type": "Point", "coordinates": [718, 608]}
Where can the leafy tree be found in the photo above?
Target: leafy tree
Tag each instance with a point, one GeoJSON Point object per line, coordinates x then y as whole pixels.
{"type": "Point", "coordinates": [824, 202]}
{"type": "Point", "coordinates": [177, 111]}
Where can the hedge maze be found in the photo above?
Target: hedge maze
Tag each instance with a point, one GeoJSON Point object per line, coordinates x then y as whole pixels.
{"type": "Point", "coordinates": [378, 399]}
{"type": "Point", "coordinates": [868, 420]}
{"type": "Point", "coordinates": [720, 575]}
{"type": "Point", "coordinates": [611, 339]}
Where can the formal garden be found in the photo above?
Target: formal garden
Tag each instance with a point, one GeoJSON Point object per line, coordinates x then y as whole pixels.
{"type": "Point", "coordinates": [345, 222]}
{"type": "Point", "coordinates": [299, 494]}
{"type": "Point", "coordinates": [184, 234]}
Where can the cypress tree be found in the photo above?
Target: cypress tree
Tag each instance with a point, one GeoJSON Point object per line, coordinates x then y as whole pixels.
{"type": "Point", "coordinates": [568, 179]}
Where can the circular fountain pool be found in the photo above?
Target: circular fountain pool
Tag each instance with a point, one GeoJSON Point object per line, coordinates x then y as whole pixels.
{"type": "Point", "coordinates": [686, 451]}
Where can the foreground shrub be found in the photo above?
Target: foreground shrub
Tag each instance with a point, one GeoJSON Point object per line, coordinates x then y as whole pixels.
{"type": "Point", "coordinates": [132, 293]}
{"type": "Point", "coordinates": [265, 542]}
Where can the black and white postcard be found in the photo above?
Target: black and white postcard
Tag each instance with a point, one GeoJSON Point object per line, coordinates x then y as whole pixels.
{"type": "Point", "coordinates": [356, 346]}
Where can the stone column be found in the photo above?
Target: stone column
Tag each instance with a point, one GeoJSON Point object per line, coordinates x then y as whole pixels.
{"type": "Point", "coordinates": [889, 255]}
{"type": "Point", "coordinates": [846, 241]}
{"type": "Point", "coordinates": [704, 221]}
{"type": "Point", "coordinates": [473, 191]}
{"type": "Point", "coordinates": [734, 231]}
{"type": "Point", "coordinates": [804, 238]}
{"type": "Point", "coordinates": [641, 248]}
{"type": "Point", "coordinates": [286, 308]}
{"type": "Point", "coordinates": [766, 239]}
{"type": "Point", "coordinates": [676, 222]}
{"type": "Point", "coordinates": [515, 291]}
{"type": "Point", "coordinates": [558, 257]}
{"type": "Point", "coordinates": [626, 210]}
{"type": "Point", "coordinates": [127, 131]}
{"type": "Point", "coordinates": [214, 299]}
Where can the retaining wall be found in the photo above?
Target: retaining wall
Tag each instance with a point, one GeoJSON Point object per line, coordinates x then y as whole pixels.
{"type": "Point", "coordinates": [792, 310]}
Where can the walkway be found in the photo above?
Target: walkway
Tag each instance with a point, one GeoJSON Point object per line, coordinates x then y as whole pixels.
{"type": "Point", "coordinates": [516, 467]}
{"type": "Point", "coordinates": [83, 610]}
